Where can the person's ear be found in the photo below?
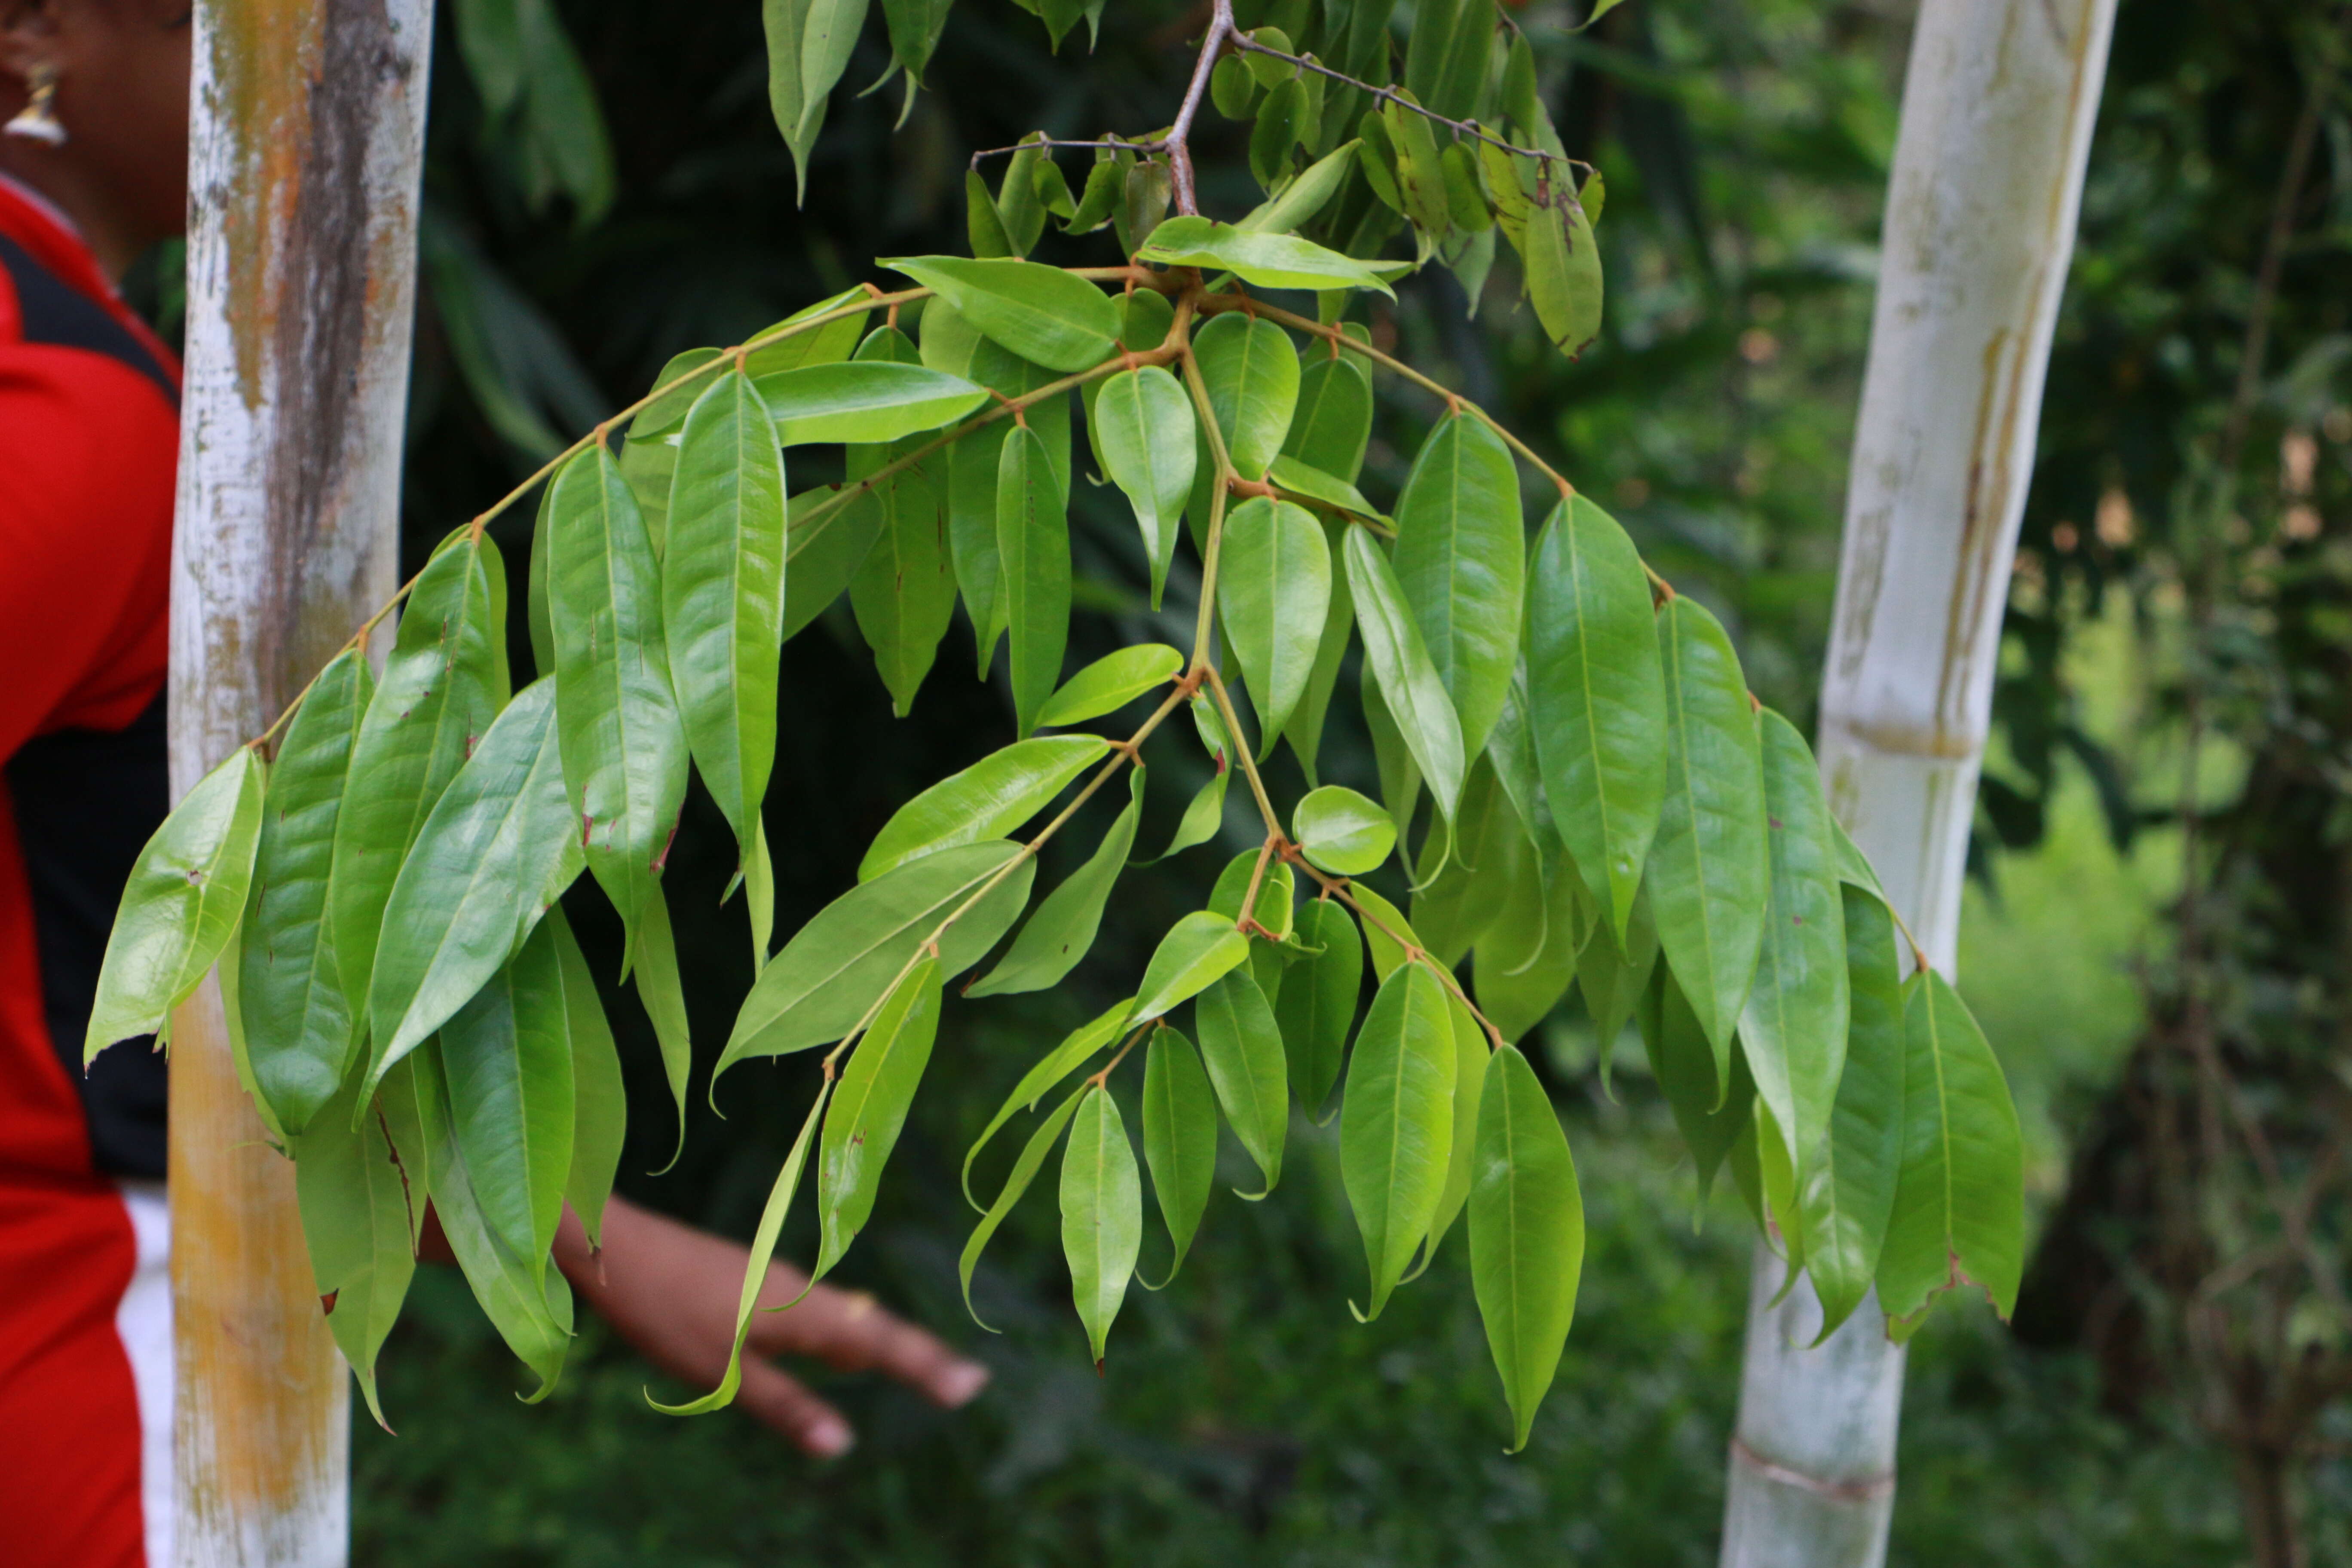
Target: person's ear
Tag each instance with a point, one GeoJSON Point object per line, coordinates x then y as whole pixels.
{"type": "Point", "coordinates": [28, 36]}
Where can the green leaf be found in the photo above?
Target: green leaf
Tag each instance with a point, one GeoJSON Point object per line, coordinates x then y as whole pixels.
{"type": "Point", "coordinates": [1275, 589]}
{"type": "Point", "coordinates": [444, 682]}
{"type": "Point", "coordinates": [536, 615]}
{"type": "Point", "coordinates": [1960, 1205]}
{"type": "Point", "coordinates": [1296, 478]}
{"type": "Point", "coordinates": [986, 800]}
{"type": "Point", "coordinates": [1448, 58]}
{"type": "Point", "coordinates": [663, 992]}
{"type": "Point", "coordinates": [617, 728]}
{"type": "Point", "coordinates": [1258, 256]}
{"type": "Point", "coordinates": [1059, 934]}
{"type": "Point", "coordinates": [1846, 1191]}
{"type": "Point", "coordinates": [1526, 1233]}
{"type": "Point", "coordinates": [1143, 432]}
{"type": "Point", "coordinates": [600, 1104]}
{"type": "Point", "coordinates": [1342, 832]}
{"type": "Point", "coordinates": [1273, 136]}
{"type": "Point", "coordinates": [1179, 1140]}
{"type": "Point", "coordinates": [1102, 1214]}
{"type": "Point", "coordinates": [529, 1306]}
{"type": "Point", "coordinates": [1612, 979]}
{"type": "Point", "coordinates": [822, 554]}
{"type": "Point", "coordinates": [301, 1029]}
{"type": "Point", "coordinates": [1075, 1048]}
{"type": "Point", "coordinates": [1854, 867]}
{"type": "Point", "coordinates": [1204, 815]}
{"type": "Point", "coordinates": [983, 221]}
{"type": "Point", "coordinates": [1793, 1026]}
{"type": "Point", "coordinates": [498, 850]}
{"type": "Point", "coordinates": [1463, 880]}
{"type": "Point", "coordinates": [1409, 684]}
{"type": "Point", "coordinates": [845, 958]}
{"type": "Point", "coordinates": [1304, 730]}
{"type": "Point", "coordinates": [871, 1109]}
{"type": "Point", "coordinates": [1525, 961]}
{"type": "Point", "coordinates": [1710, 872]}
{"type": "Point", "coordinates": [1251, 375]}
{"type": "Point", "coordinates": [755, 1273]}
{"type": "Point", "coordinates": [1396, 1122]}
{"type": "Point", "coordinates": [1195, 952]}
{"type": "Point", "coordinates": [914, 27]}
{"type": "Point", "coordinates": [1143, 202]}
{"type": "Point", "coordinates": [1563, 264]}
{"type": "Point", "coordinates": [1042, 314]}
{"type": "Point", "coordinates": [865, 400]}
{"type": "Point", "coordinates": [828, 342]}
{"type": "Point", "coordinates": [507, 1054]}
{"type": "Point", "coordinates": [1711, 1108]}
{"type": "Point", "coordinates": [1242, 1046]}
{"type": "Point", "coordinates": [1469, 1058]}
{"type": "Point", "coordinates": [1461, 552]}
{"type": "Point", "coordinates": [355, 1204]}
{"type": "Point", "coordinates": [1333, 423]}
{"type": "Point", "coordinates": [904, 592]}
{"type": "Point", "coordinates": [723, 594]}
{"type": "Point", "coordinates": [1598, 700]}
{"type": "Point", "coordinates": [1023, 214]}
{"type": "Point", "coordinates": [1317, 1007]}
{"type": "Point", "coordinates": [1025, 1171]}
{"type": "Point", "coordinates": [1100, 198]}
{"type": "Point", "coordinates": [1033, 544]}
{"type": "Point", "coordinates": [1277, 892]}
{"type": "Point", "coordinates": [1384, 949]}
{"type": "Point", "coordinates": [809, 44]}
{"type": "Point", "coordinates": [1298, 202]}
{"type": "Point", "coordinates": [1110, 683]}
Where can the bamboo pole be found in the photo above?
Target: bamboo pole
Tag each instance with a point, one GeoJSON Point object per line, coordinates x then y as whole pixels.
{"type": "Point", "coordinates": [1998, 106]}
{"type": "Point", "coordinates": [305, 120]}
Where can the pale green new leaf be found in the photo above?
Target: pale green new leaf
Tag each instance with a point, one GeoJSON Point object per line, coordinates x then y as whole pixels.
{"type": "Point", "coordinates": [301, 1030]}
{"type": "Point", "coordinates": [870, 1110]}
{"type": "Point", "coordinates": [845, 958]}
{"type": "Point", "coordinates": [1081, 1044]}
{"type": "Point", "coordinates": [1240, 1044]}
{"type": "Point", "coordinates": [1102, 1214]}
{"type": "Point", "coordinates": [1299, 201]}
{"type": "Point", "coordinates": [1709, 871]}
{"type": "Point", "coordinates": [1396, 1122]}
{"type": "Point", "coordinates": [1342, 832]}
{"type": "Point", "coordinates": [1042, 314]}
{"type": "Point", "coordinates": [1526, 1233]}
{"type": "Point", "coordinates": [1409, 683]}
{"type": "Point", "coordinates": [986, 800]}
{"type": "Point", "coordinates": [864, 401]}
{"type": "Point", "coordinates": [1025, 1171]}
{"type": "Point", "coordinates": [723, 594]}
{"type": "Point", "coordinates": [1197, 951]}
{"type": "Point", "coordinates": [1598, 700]}
{"type": "Point", "coordinates": [1274, 590]}
{"type": "Point", "coordinates": [1110, 683]}
{"type": "Point", "coordinates": [1058, 935]}
{"type": "Point", "coordinates": [1260, 254]}
{"type": "Point", "coordinates": [1461, 563]}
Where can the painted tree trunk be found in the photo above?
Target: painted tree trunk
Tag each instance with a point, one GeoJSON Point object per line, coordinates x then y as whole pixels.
{"type": "Point", "coordinates": [1997, 107]}
{"type": "Point", "coordinates": [306, 136]}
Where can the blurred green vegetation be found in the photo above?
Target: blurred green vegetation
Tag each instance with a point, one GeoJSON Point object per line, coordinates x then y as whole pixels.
{"type": "Point", "coordinates": [1243, 1417]}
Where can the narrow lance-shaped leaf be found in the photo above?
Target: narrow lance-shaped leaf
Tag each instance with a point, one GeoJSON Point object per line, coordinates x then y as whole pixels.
{"type": "Point", "coordinates": [1393, 652]}
{"type": "Point", "coordinates": [835, 966]}
{"type": "Point", "coordinates": [1033, 541]}
{"type": "Point", "coordinates": [507, 1054]}
{"type": "Point", "coordinates": [1396, 1122]}
{"type": "Point", "coordinates": [600, 1103]}
{"type": "Point", "coordinates": [1142, 426]}
{"type": "Point", "coordinates": [864, 402]}
{"type": "Point", "coordinates": [1960, 1206]}
{"type": "Point", "coordinates": [1304, 730]}
{"type": "Point", "coordinates": [1241, 1046]}
{"type": "Point", "coordinates": [871, 1109]}
{"type": "Point", "coordinates": [1180, 1140]}
{"type": "Point", "coordinates": [445, 682]}
{"type": "Point", "coordinates": [1062, 931]}
{"type": "Point", "coordinates": [1102, 1214]}
{"type": "Point", "coordinates": [1846, 1192]}
{"type": "Point", "coordinates": [1110, 683]}
{"type": "Point", "coordinates": [1276, 587]}
{"type": "Point", "coordinates": [354, 1203]}
{"type": "Point", "coordinates": [1075, 1049]}
{"type": "Point", "coordinates": [1598, 700]}
{"type": "Point", "coordinates": [1460, 558]}
{"type": "Point", "coordinates": [663, 991]}
{"type": "Point", "coordinates": [1711, 1109]}
{"type": "Point", "coordinates": [723, 594]}
{"type": "Point", "coordinates": [1793, 1027]}
{"type": "Point", "coordinates": [484, 868]}
{"type": "Point", "coordinates": [1612, 979]}
{"type": "Point", "coordinates": [1198, 950]}
{"type": "Point", "coordinates": [809, 44]}
{"type": "Point", "coordinates": [1469, 1057]}
{"type": "Point", "coordinates": [986, 800]}
{"type": "Point", "coordinates": [1708, 869]}
{"type": "Point", "coordinates": [1269, 259]}
{"type": "Point", "coordinates": [764, 1251]}
{"type": "Point", "coordinates": [1317, 1007]}
{"type": "Point", "coordinates": [904, 592]}
{"type": "Point", "coordinates": [1526, 1233]}
{"type": "Point", "coordinates": [301, 1029]}
{"type": "Point", "coordinates": [1042, 314]}
{"type": "Point", "coordinates": [616, 720]}
{"type": "Point", "coordinates": [1025, 1171]}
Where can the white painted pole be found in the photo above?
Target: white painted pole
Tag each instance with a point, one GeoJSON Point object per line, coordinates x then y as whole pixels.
{"type": "Point", "coordinates": [1998, 108]}
{"type": "Point", "coordinates": [306, 122]}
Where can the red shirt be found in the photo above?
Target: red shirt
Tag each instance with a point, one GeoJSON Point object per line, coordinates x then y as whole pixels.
{"type": "Point", "coordinates": [88, 445]}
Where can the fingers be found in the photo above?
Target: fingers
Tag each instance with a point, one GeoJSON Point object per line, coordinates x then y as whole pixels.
{"type": "Point", "coordinates": [783, 1404]}
{"type": "Point", "coordinates": [850, 1330]}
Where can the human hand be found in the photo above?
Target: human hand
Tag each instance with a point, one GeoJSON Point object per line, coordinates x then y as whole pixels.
{"type": "Point", "coordinates": [670, 1290]}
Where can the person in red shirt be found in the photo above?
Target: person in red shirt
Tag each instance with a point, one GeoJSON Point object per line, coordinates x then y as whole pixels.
{"type": "Point", "coordinates": [93, 171]}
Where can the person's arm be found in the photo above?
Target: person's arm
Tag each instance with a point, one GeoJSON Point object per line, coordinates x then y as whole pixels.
{"type": "Point", "coordinates": [670, 1291]}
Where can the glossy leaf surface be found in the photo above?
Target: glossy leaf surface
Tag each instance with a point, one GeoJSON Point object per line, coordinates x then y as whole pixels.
{"type": "Point", "coordinates": [1276, 587]}
{"type": "Point", "coordinates": [1396, 1122]}
{"type": "Point", "coordinates": [1269, 259]}
{"type": "Point", "coordinates": [1847, 1190]}
{"type": "Point", "coordinates": [1341, 831]}
{"type": "Point", "coordinates": [869, 1109]}
{"type": "Point", "coordinates": [1142, 426]}
{"type": "Point", "coordinates": [1102, 1214]}
{"type": "Point", "coordinates": [865, 401]}
{"type": "Point", "coordinates": [1197, 951]}
{"type": "Point", "coordinates": [1241, 1046]}
{"type": "Point", "coordinates": [1409, 683]}
{"type": "Point", "coordinates": [1062, 931]}
{"type": "Point", "coordinates": [986, 800]}
{"type": "Point", "coordinates": [1252, 376]}
{"type": "Point", "coordinates": [1526, 1233]}
{"type": "Point", "coordinates": [1179, 1140]}
{"type": "Point", "coordinates": [1032, 543]}
{"type": "Point", "coordinates": [507, 1054]}
{"type": "Point", "coordinates": [1041, 313]}
{"type": "Point", "coordinates": [1110, 683]}
{"type": "Point", "coordinates": [1461, 563]}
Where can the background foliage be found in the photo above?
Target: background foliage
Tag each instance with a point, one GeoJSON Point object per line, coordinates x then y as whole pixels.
{"type": "Point", "coordinates": [1745, 149]}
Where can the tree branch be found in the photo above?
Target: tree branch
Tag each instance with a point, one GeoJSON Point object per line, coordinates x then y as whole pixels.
{"type": "Point", "coordinates": [1178, 144]}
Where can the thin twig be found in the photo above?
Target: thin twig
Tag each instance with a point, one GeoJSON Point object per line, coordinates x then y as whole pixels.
{"type": "Point", "coordinates": [1116, 141]}
{"type": "Point", "coordinates": [1178, 143]}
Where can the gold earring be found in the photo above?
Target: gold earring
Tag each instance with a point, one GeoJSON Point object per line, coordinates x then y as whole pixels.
{"type": "Point", "coordinates": [37, 121]}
